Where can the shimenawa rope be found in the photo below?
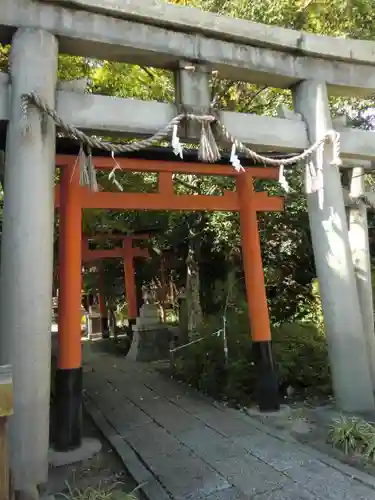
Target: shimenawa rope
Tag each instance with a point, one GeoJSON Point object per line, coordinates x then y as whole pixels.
{"type": "Point", "coordinates": [208, 149]}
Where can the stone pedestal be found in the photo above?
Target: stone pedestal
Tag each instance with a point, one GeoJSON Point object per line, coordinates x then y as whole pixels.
{"type": "Point", "coordinates": [150, 336]}
{"type": "Point", "coordinates": [96, 325]}
{"type": "Point", "coordinates": [95, 322]}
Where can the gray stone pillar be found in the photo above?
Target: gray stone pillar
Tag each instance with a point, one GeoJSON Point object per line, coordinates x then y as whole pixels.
{"type": "Point", "coordinates": [329, 232]}
{"type": "Point", "coordinates": [2, 167]}
{"type": "Point", "coordinates": [359, 243]}
{"type": "Point", "coordinates": [192, 91]}
{"type": "Point", "coordinates": [27, 255]}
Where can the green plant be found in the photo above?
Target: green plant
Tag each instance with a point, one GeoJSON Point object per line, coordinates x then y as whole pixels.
{"type": "Point", "coordinates": [240, 381]}
{"type": "Point", "coordinates": [202, 365]}
{"type": "Point", "coordinates": [302, 358]}
{"type": "Point", "coordinates": [353, 434]}
{"type": "Point", "coordinates": [311, 310]}
{"type": "Point", "coordinates": [300, 353]}
{"type": "Point", "coordinates": [100, 493]}
{"type": "Point", "coordinates": [369, 451]}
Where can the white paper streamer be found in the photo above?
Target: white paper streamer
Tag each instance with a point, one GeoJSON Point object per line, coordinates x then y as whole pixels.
{"type": "Point", "coordinates": [235, 160]}
{"type": "Point", "coordinates": [176, 145]}
{"type": "Point", "coordinates": [112, 175]}
{"type": "Point", "coordinates": [282, 179]}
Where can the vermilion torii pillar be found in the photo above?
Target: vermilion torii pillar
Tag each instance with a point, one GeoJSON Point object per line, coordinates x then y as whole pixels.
{"type": "Point", "coordinates": [68, 384]}
{"type": "Point", "coordinates": [267, 384]}
{"type": "Point", "coordinates": [128, 253]}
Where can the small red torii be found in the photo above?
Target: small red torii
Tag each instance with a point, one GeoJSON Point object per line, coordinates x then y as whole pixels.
{"type": "Point", "coordinates": [128, 253]}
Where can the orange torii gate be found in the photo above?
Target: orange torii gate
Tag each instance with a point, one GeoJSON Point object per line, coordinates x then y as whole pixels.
{"type": "Point", "coordinates": [71, 197]}
{"type": "Point", "coordinates": [128, 253]}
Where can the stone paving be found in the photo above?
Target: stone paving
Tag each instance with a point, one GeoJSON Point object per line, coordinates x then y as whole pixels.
{"type": "Point", "coordinates": [186, 448]}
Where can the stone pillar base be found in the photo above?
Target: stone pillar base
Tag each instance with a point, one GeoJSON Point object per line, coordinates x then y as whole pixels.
{"type": "Point", "coordinates": [88, 448]}
{"type": "Point", "coordinates": [150, 344]}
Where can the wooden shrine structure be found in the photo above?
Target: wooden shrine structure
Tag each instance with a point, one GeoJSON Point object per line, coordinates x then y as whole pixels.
{"type": "Point", "coordinates": [193, 45]}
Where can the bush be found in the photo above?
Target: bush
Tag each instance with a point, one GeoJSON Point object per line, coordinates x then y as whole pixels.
{"type": "Point", "coordinates": [202, 366]}
{"type": "Point", "coordinates": [302, 358]}
{"type": "Point", "coordinates": [300, 354]}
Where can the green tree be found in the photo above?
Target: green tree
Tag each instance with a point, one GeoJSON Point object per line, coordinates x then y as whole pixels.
{"type": "Point", "coordinates": [285, 237]}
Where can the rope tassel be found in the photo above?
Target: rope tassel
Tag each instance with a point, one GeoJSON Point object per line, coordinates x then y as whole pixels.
{"type": "Point", "coordinates": [93, 183]}
{"type": "Point", "coordinates": [208, 150]}
{"type": "Point", "coordinates": [87, 172]}
{"type": "Point", "coordinates": [83, 173]}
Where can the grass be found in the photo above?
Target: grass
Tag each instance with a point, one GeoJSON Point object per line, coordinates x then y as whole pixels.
{"type": "Point", "coordinates": [100, 493]}
{"type": "Point", "coordinates": [353, 435]}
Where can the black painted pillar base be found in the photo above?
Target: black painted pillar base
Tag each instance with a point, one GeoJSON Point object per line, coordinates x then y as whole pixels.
{"type": "Point", "coordinates": [132, 322]}
{"type": "Point", "coordinates": [105, 328]}
{"type": "Point", "coordinates": [68, 410]}
{"type": "Point", "coordinates": [267, 386]}
{"type": "Point", "coordinates": [130, 330]}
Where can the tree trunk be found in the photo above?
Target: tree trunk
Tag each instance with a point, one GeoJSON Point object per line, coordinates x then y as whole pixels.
{"type": "Point", "coordinates": [193, 303]}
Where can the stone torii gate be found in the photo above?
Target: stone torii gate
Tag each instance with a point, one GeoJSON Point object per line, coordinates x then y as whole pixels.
{"type": "Point", "coordinates": [179, 39]}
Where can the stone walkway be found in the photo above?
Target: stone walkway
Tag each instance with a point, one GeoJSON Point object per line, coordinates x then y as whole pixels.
{"type": "Point", "coordinates": [185, 448]}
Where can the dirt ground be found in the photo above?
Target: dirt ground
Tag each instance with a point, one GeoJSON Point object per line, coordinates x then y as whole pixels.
{"type": "Point", "coordinates": [309, 424]}
{"type": "Point", "coordinates": [103, 471]}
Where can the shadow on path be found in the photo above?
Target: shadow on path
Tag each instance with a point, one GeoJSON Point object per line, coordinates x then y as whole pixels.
{"type": "Point", "coordinates": [184, 447]}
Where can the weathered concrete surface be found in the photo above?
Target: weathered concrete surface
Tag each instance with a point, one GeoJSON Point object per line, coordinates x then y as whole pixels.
{"type": "Point", "coordinates": [151, 344]}
{"type": "Point", "coordinates": [27, 255]}
{"type": "Point", "coordinates": [193, 92]}
{"type": "Point", "coordinates": [150, 336]}
{"type": "Point", "coordinates": [89, 447]}
{"type": "Point", "coordinates": [360, 248]}
{"type": "Point", "coordinates": [136, 118]}
{"type": "Point", "coordinates": [104, 37]}
{"type": "Point", "coordinates": [190, 449]}
{"type": "Point", "coordinates": [333, 259]}
{"type": "Point", "coordinates": [192, 20]}
{"type": "Point", "coordinates": [144, 118]}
